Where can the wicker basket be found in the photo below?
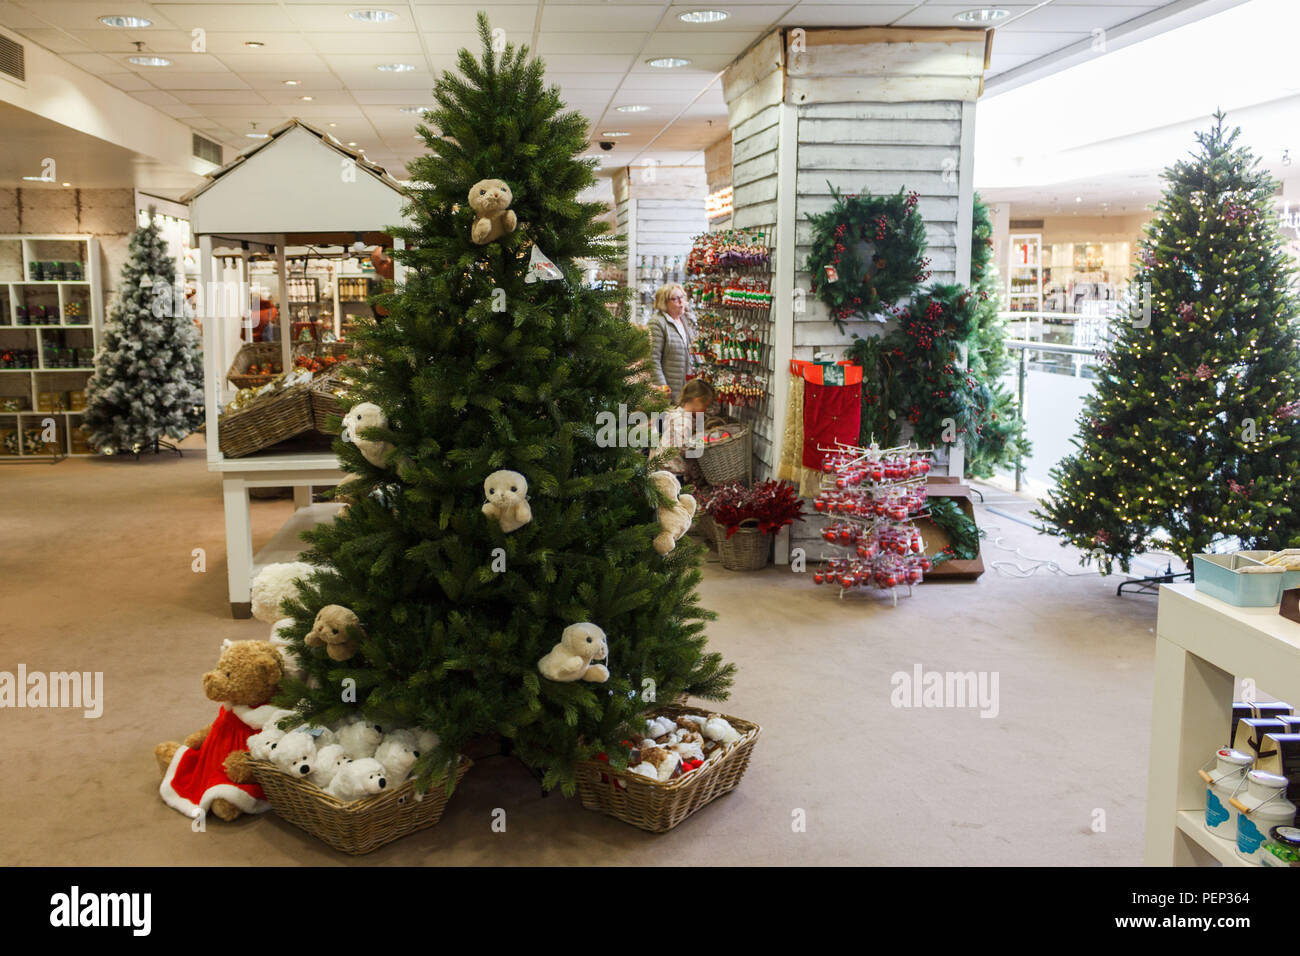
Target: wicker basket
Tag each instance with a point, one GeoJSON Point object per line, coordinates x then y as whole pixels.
{"type": "Point", "coordinates": [357, 827]}
{"type": "Point", "coordinates": [658, 807]}
{"type": "Point", "coordinates": [324, 402]}
{"type": "Point", "coordinates": [746, 550]}
{"type": "Point", "coordinates": [729, 459]}
{"type": "Point", "coordinates": [703, 527]}
{"type": "Point", "coordinates": [266, 421]}
{"type": "Point", "coordinates": [252, 353]}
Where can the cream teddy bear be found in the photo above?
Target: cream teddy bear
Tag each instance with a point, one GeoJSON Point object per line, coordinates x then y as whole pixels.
{"type": "Point", "coordinates": [675, 520]}
{"type": "Point", "coordinates": [507, 499]}
{"type": "Point", "coordinates": [571, 659]}
{"type": "Point", "coordinates": [330, 759]}
{"type": "Point", "coordinates": [359, 418]}
{"type": "Point", "coordinates": [359, 737]}
{"type": "Point", "coordinates": [338, 629]}
{"type": "Point", "coordinates": [294, 753]}
{"type": "Point", "coordinates": [358, 779]}
{"type": "Point", "coordinates": [493, 218]}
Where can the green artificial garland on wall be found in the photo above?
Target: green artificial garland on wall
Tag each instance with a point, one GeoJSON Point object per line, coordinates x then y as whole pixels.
{"type": "Point", "coordinates": [868, 252]}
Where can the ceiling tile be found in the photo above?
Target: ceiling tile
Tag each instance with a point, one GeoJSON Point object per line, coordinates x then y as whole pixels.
{"type": "Point", "coordinates": [127, 81]}
{"type": "Point", "coordinates": [200, 81]}
{"type": "Point", "coordinates": [754, 16]}
{"type": "Point", "coordinates": [1085, 18]}
{"type": "Point", "coordinates": [700, 66]}
{"type": "Point", "coordinates": [516, 19]}
{"type": "Point", "coordinates": [388, 44]}
{"type": "Point", "coordinates": [589, 63]}
{"type": "Point", "coordinates": [607, 17]}
{"type": "Point", "coordinates": [692, 45]}
{"type": "Point", "coordinates": [226, 16]}
{"type": "Point", "coordinates": [56, 41]}
{"type": "Point", "coordinates": [80, 15]}
{"type": "Point", "coordinates": [1036, 43]}
{"type": "Point", "coordinates": [550, 44]}
{"type": "Point", "coordinates": [105, 40]}
{"type": "Point", "coordinates": [307, 82]}
{"type": "Point", "coordinates": [275, 44]}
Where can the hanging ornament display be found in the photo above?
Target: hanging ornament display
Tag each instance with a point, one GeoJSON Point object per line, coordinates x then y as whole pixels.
{"type": "Point", "coordinates": [875, 495]}
{"type": "Point", "coordinates": [730, 289]}
{"type": "Point", "coordinates": [540, 268]}
{"type": "Point", "coordinates": [868, 252]}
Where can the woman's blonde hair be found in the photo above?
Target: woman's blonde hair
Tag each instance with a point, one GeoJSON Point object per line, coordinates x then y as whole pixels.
{"type": "Point", "coordinates": [662, 295]}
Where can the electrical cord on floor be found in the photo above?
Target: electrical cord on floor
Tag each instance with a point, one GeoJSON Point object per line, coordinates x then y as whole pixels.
{"type": "Point", "coordinates": [1010, 569]}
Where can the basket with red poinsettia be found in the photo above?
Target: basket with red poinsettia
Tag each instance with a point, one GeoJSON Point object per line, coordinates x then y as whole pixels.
{"type": "Point", "coordinates": [746, 519]}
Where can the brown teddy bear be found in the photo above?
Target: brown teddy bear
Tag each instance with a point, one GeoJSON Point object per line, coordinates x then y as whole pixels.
{"type": "Point", "coordinates": [338, 629]}
{"type": "Point", "coordinates": [493, 218]}
{"type": "Point", "coordinates": [210, 771]}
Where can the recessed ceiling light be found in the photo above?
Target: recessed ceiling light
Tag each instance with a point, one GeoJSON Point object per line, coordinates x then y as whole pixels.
{"type": "Point", "coordinates": [982, 15]}
{"type": "Point", "coordinates": [334, 124]}
{"type": "Point", "coordinates": [67, 184]}
{"type": "Point", "coordinates": [254, 43]}
{"type": "Point", "coordinates": [129, 23]}
{"type": "Point", "coordinates": [668, 62]}
{"type": "Point", "coordinates": [307, 98]}
{"type": "Point", "coordinates": [615, 133]}
{"type": "Point", "coordinates": [1078, 199]}
{"type": "Point", "coordinates": [373, 16]}
{"type": "Point", "coordinates": [395, 68]}
{"type": "Point", "coordinates": [149, 60]}
{"type": "Point", "coordinates": [631, 109]}
{"type": "Point", "coordinates": [258, 135]}
{"type": "Point", "coordinates": [703, 16]}
{"type": "Point", "coordinates": [415, 109]}
{"type": "Point", "coordinates": [352, 144]}
{"type": "Point", "coordinates": [293, 82]}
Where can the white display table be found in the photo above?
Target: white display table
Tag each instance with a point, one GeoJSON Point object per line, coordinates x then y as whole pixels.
{"type": "Point", "coordinates": [1202, 644]}
{"type": "Point", "coordinates": [302, 471]}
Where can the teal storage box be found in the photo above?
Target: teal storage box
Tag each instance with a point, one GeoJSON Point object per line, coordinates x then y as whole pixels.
{"type": "Point", "coordinates": [1290, 579]}
{"type": "Point", "coordinates": [1220, 576]}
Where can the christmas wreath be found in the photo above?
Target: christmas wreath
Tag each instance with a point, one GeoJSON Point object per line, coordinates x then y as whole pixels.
{"type": "Point", "coordinates": [867, 253]}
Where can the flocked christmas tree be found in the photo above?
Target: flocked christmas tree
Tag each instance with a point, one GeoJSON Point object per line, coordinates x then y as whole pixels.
{"type": "Point", "coordinates": [148, 380]}
{"type": "Point", "coordinates": [1192, 434]}
{"type": "Point", "coordinates": [494, 358]}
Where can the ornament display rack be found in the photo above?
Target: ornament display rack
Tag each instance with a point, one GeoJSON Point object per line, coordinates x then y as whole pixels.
{"type": "Point", "coordinates": [729, 281]}
{"type": "Point", "coordinates": [877, 494]}
{"type": "Point", "coordinates": [77, 320]}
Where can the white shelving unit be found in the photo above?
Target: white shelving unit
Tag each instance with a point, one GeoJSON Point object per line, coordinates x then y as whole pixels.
{"type": "Point", "coordinates": [1025, 277]}
{"type": "Point", "coordinates": [20, 292]}
{"type": "Point", "coordinates": [1202, 646]}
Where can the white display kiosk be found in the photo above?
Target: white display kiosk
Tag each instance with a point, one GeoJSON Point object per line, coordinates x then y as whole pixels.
{"type": "Point", "coordinates": [300, 187]}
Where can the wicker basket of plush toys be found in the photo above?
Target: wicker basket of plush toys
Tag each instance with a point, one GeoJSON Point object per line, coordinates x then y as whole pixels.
{"type": "Point", "coordinates": [351, 786]}
{"type": "Point", "coordinates": [688, 758]}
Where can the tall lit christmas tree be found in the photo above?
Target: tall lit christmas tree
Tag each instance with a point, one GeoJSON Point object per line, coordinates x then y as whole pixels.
{"type": "Point", "coordinates": [148, 380]}
{"type": "Point", "coordinates": [1192, 434]}
{"type": "Point", "coordinates": [495, 359]}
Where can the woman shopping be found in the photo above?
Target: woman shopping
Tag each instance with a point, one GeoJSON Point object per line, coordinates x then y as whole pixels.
{"type": "Point", "coordinates": [671, 335]}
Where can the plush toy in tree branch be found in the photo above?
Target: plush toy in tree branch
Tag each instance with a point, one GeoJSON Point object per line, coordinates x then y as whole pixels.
{"type": "Point", "coordinates": [364, 416]}
{"type": "Point", "coordinates": [338, 630]}
{"type": "Point", "coordinates": [571, 659]}
{"type": "Point", "coordinates": [675, 519]}
{"type": "Point", "coordinates": [507, 500]}
{"type": "Point", "coordinates": [493, 218]}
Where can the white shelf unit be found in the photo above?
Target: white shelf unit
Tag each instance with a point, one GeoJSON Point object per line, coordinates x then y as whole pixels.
{"type": "Point", "coordinates": [1025, 276]}
{"type": "Point", "coordinates": [1202, 646]}
{"type": "Point", "coordinates": [20, 290]}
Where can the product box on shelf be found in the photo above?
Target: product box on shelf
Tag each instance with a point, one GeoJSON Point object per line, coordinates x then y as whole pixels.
{"type": "Point", "coordinates": [1242, 709]}
{"type": "Point", "coordinates": [1281, 755]}
{"type": "Point", "coordinates": [51, 401]}
{"type": "Point", "coordinates": [1248, 737]}
{"type": "Point", "coordinates": [1238, 579]}
{"type": "Point", "coordinates": [76, 400]}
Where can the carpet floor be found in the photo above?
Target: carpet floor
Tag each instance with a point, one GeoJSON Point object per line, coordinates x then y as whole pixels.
{"type": "Point", "coordinates": [97, 564]}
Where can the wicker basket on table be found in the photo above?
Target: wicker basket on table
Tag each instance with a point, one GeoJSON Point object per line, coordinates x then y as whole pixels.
{"type": "Point", "coordinates": [746, 550]}
{"type": "Point", "coordinates": [362, 825]}
{"type": "Point", "coordinates": [324, 398]}
{"type": "Point", "coordinates": [727, 459]}
{"type": "Point", "coordinates": [658, 807]}
{"type": "Point", "coordinates": [266, 421]}
{"type": "Point", "coordinates": [250, 354]}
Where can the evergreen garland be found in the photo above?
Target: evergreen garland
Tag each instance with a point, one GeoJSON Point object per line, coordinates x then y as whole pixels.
{"type": "Point", "coordinates": [148, 379]}
{"type": "Point", "coordinates": [963, 534]}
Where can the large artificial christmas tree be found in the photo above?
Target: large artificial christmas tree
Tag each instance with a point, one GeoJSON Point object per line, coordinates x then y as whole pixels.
{"type": "Point", "coordinates": [497, 370]}
{"type": "Point", "coordinates": [148, 380]}
{"type": "Point", "coordinates": [1192, 434]}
